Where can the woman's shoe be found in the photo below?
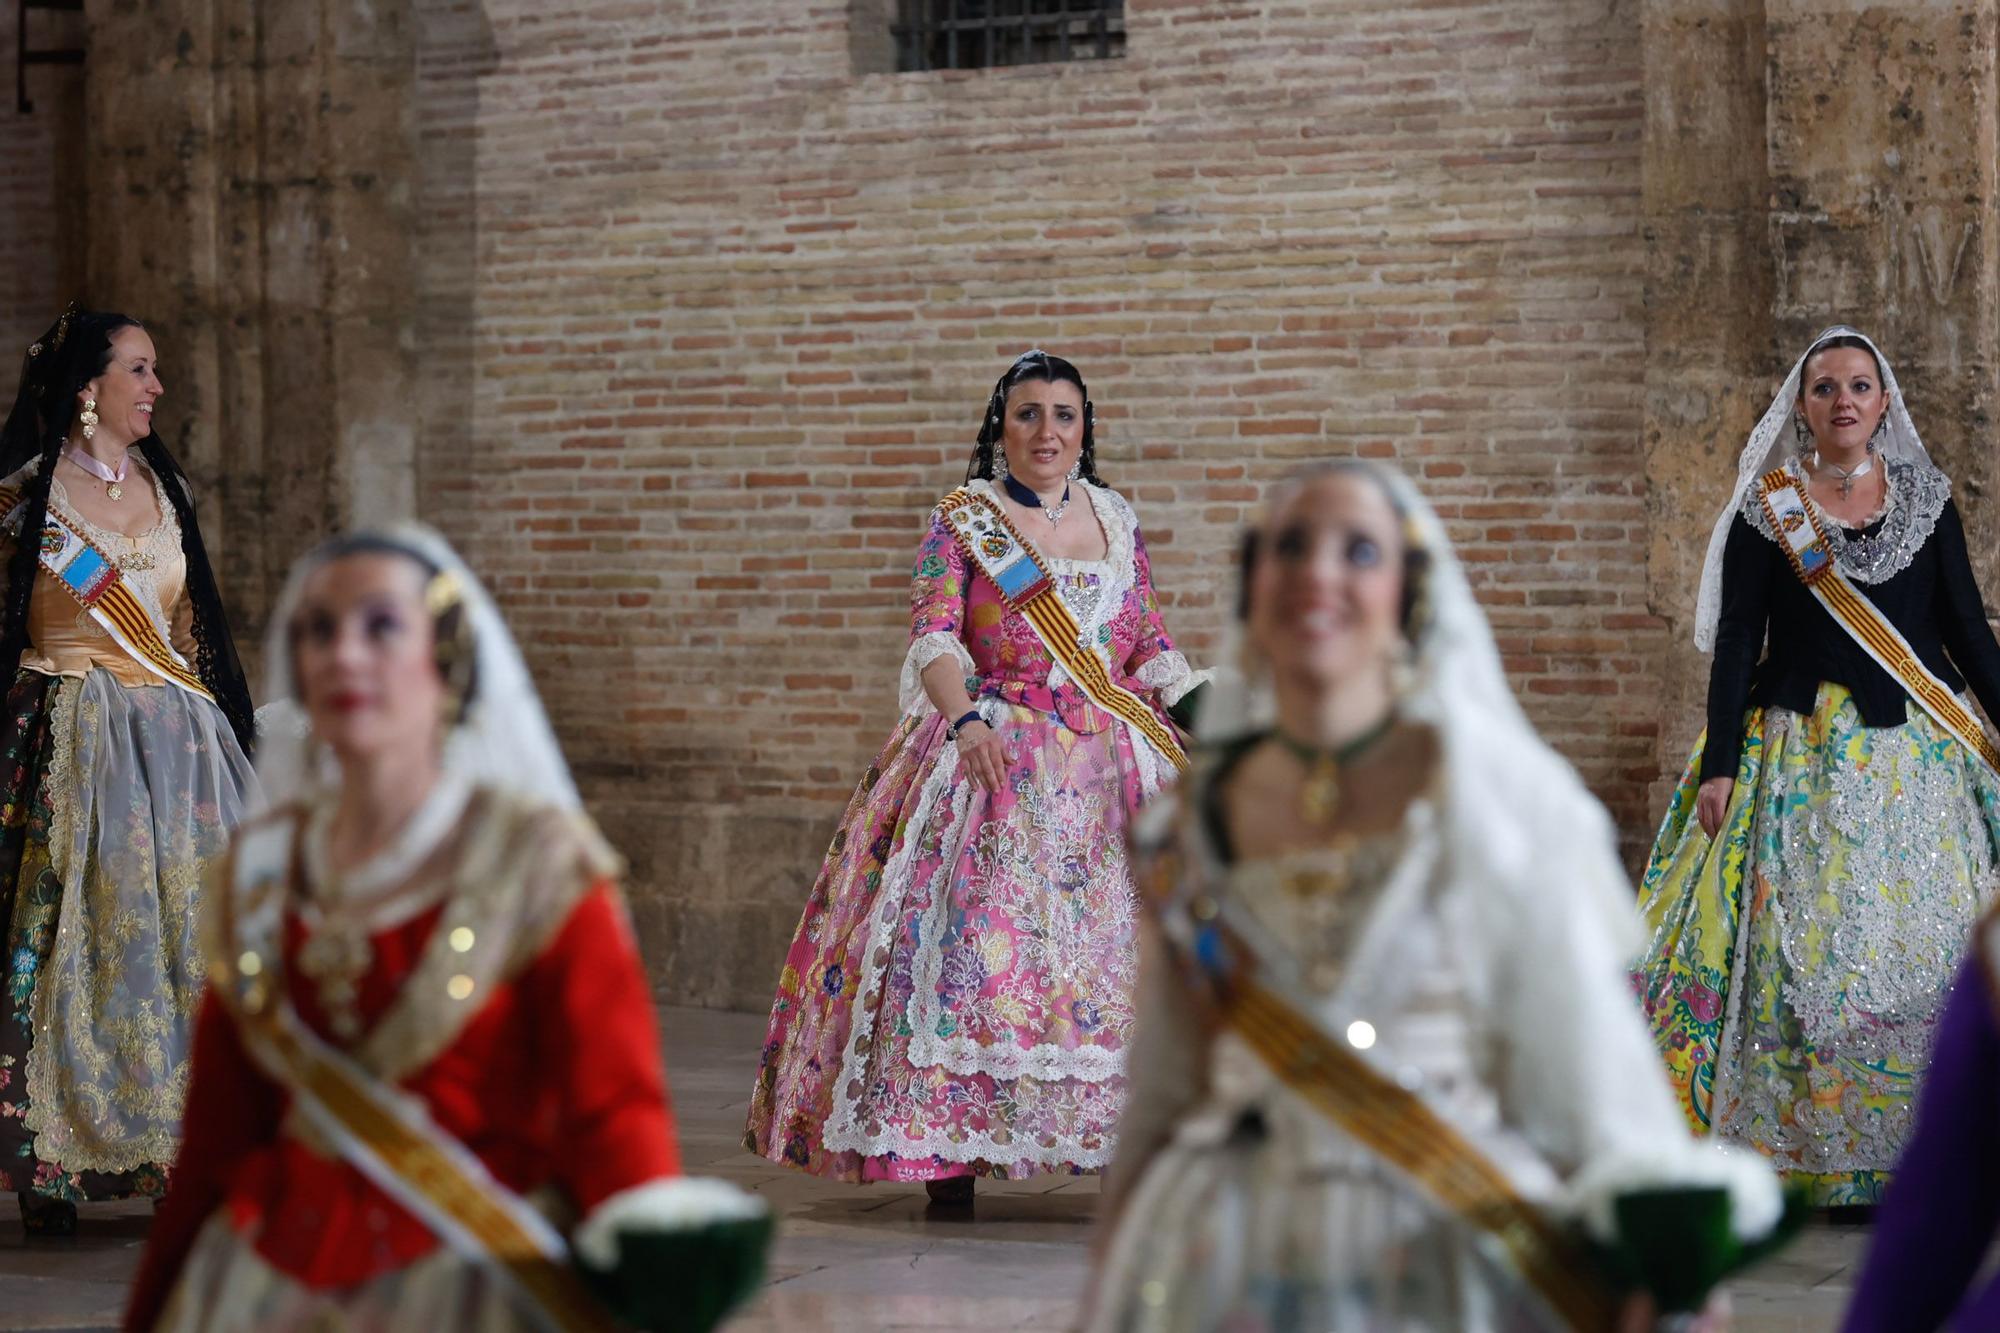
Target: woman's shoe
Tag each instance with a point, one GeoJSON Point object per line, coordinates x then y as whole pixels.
{"type": "Point", "coordinates": [44, 1216]}
{"type": "Point", "coordinates": [952, 1192]}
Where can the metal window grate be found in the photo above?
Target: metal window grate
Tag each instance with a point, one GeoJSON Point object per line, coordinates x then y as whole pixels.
{"type": "Point", "coordinates": [987, 34]}
{"type": "Point", "coordinates": [25, 55]}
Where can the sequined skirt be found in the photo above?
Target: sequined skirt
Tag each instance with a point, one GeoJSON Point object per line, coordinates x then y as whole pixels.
{"type": "Point", "coordinates": [1796, 966]}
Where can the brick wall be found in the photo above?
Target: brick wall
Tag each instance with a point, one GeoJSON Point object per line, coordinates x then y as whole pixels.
{"type": "Point", "coordinates": [713, 319]}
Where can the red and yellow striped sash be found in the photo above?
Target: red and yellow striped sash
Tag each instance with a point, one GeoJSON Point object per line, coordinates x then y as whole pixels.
{"type": "Point", "coordinates": [89, 575]}
{"type": "Point", "coordinates": [1022, 575]}
{"type": "Point", "coordinates": [1868, 627]}
{"type": "Point", "coordinates": [1388, 1119]}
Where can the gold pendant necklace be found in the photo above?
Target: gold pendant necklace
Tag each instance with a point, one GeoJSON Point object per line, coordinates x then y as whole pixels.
{"type": "Point", "coordinates": [104, 474]}
{"type": "Point", "coordinates": [1319, 798]}
{"type": "Point", "coordinates": [338, 955]}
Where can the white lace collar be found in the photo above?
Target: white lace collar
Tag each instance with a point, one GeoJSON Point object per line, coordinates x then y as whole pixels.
{"type": "Point", "coordinates": [1914, 496]}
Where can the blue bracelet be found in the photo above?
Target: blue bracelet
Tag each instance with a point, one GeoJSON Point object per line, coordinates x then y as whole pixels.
{"type": "Point", "coordinates": [952, 730]}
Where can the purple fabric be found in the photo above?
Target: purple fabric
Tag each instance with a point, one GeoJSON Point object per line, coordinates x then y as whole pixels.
{"type": "Point", "coordinates": [1939, 1214]}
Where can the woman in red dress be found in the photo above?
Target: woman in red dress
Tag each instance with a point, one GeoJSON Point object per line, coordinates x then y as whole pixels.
{"type": "Point", "coordinates": [428, 1044]}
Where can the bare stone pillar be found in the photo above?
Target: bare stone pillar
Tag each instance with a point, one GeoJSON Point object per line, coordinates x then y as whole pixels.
{"type": "Point", "coordinates": [250, 194]}
{"type": "Point", "coordinates": [1708, 311]}
{"type": "Point", "coordinates": [1882, 160]}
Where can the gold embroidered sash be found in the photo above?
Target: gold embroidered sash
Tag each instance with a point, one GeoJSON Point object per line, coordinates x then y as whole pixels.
{"type": "Point", "coordinates": [992, 542]}
{"type": "Point", "coordinates": [1392, 1122]}
{"type": "Point", "coordinates": [93, 578]}
{"type": "Point", "coordinates": [385, 1134]}
{"type": "Point", "coordinates": [1806, 545]}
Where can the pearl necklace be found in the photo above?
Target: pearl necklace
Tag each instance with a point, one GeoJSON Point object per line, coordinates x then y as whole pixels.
{"type": "Point", "coordinates": [101, 472]}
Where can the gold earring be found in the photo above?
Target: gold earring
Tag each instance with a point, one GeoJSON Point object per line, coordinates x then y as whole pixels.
{"type": "Point", "coordinates": [443, 592]}
{"type": "Point", "coordinates": [89, 418]}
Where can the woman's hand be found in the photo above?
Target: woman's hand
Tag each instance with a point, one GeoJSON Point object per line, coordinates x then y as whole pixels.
{"type": "Point", "coordinates": [984, 755]}
{"type": "Point", "coordinates": [1711, 803]}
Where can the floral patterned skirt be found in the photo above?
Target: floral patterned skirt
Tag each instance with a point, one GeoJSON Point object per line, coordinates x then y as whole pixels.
{"type": "Point", "coordinates": [1797, 965]}
{"type": "Point", "coordinates": [958, 997]}
{"type": "Point", "coordinates": [113, 803]}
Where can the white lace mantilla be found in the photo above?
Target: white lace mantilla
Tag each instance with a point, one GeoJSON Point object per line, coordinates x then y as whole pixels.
{"type": "Point", "coordinates": [1914, 496]}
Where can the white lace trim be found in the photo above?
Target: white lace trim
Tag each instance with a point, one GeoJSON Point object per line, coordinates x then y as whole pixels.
{"type": "Point", "coordinates": [1171, 676]}
{"type": "Point", "coordinates": [1913, 498]}
{"type": "Point", "coordinates": [974, 1146]}
{"type": "Point", "coordinates": [924, 650]}
{"type": "Point", "coordinates": [842, 1131]}
{"type": "Point", "coordinates": [1045, 1061]}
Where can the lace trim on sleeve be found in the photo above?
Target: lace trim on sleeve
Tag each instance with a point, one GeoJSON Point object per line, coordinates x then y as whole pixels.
{"type": "Point", "coordinates": [1170, 674]}
{"type": "Point", "coordinates": [924, 650]}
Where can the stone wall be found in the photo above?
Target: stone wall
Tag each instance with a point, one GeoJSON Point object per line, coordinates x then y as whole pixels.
{"type": "Point", "coordinates": [245, 186]}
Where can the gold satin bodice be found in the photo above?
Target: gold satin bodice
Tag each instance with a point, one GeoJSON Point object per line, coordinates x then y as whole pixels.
{"type": "Point", "coordinates": [63, 640]}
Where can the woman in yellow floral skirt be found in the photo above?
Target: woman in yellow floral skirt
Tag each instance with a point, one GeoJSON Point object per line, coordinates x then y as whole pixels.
{"type": "Point", "coordinates": [1813, 886]}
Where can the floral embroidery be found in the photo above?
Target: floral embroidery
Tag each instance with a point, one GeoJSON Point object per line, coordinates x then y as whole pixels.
{"type": "Point", "coordinates": [984, 945]}
{"type": "Point", "coordinates": [1799, 963]}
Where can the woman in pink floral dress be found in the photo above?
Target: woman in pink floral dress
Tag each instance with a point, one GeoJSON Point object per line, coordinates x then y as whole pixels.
{"type": "Point", "coordinates": [958, 998]}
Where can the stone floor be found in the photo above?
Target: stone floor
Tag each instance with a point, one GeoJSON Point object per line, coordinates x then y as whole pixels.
{"type": "Point", "coordinates": [850, 1258]}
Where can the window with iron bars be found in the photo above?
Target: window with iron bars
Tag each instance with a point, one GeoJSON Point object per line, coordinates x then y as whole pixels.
{"type": "Point", "coordinates": [988, 34]}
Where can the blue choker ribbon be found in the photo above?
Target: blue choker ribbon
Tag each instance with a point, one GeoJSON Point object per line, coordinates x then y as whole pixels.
{"type": "Point", "coordinates": [1023, 496]}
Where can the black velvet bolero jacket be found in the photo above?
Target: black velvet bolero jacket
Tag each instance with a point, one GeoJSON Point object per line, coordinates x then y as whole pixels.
{"type": "Point", "coordinates": [1923, 585]}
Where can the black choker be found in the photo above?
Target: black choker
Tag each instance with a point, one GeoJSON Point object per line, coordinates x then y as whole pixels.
{"type": "Point", "coordinates": [1028, 499]}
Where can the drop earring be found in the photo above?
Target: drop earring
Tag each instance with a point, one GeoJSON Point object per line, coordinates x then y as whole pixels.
{"type": "Point", "coordinates": [89, 418]}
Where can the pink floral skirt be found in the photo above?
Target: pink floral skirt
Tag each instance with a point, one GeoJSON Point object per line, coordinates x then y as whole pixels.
{"type": "Point", "coordinates": [958, 997]}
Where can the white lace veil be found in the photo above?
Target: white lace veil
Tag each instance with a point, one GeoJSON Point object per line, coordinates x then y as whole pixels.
{"type": "Point", "coordinates": [1504, 790]}
{"type": "Point", "coordinates": [1771, 443]}
{"type": "Point", "coordinates": [504, 741]}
